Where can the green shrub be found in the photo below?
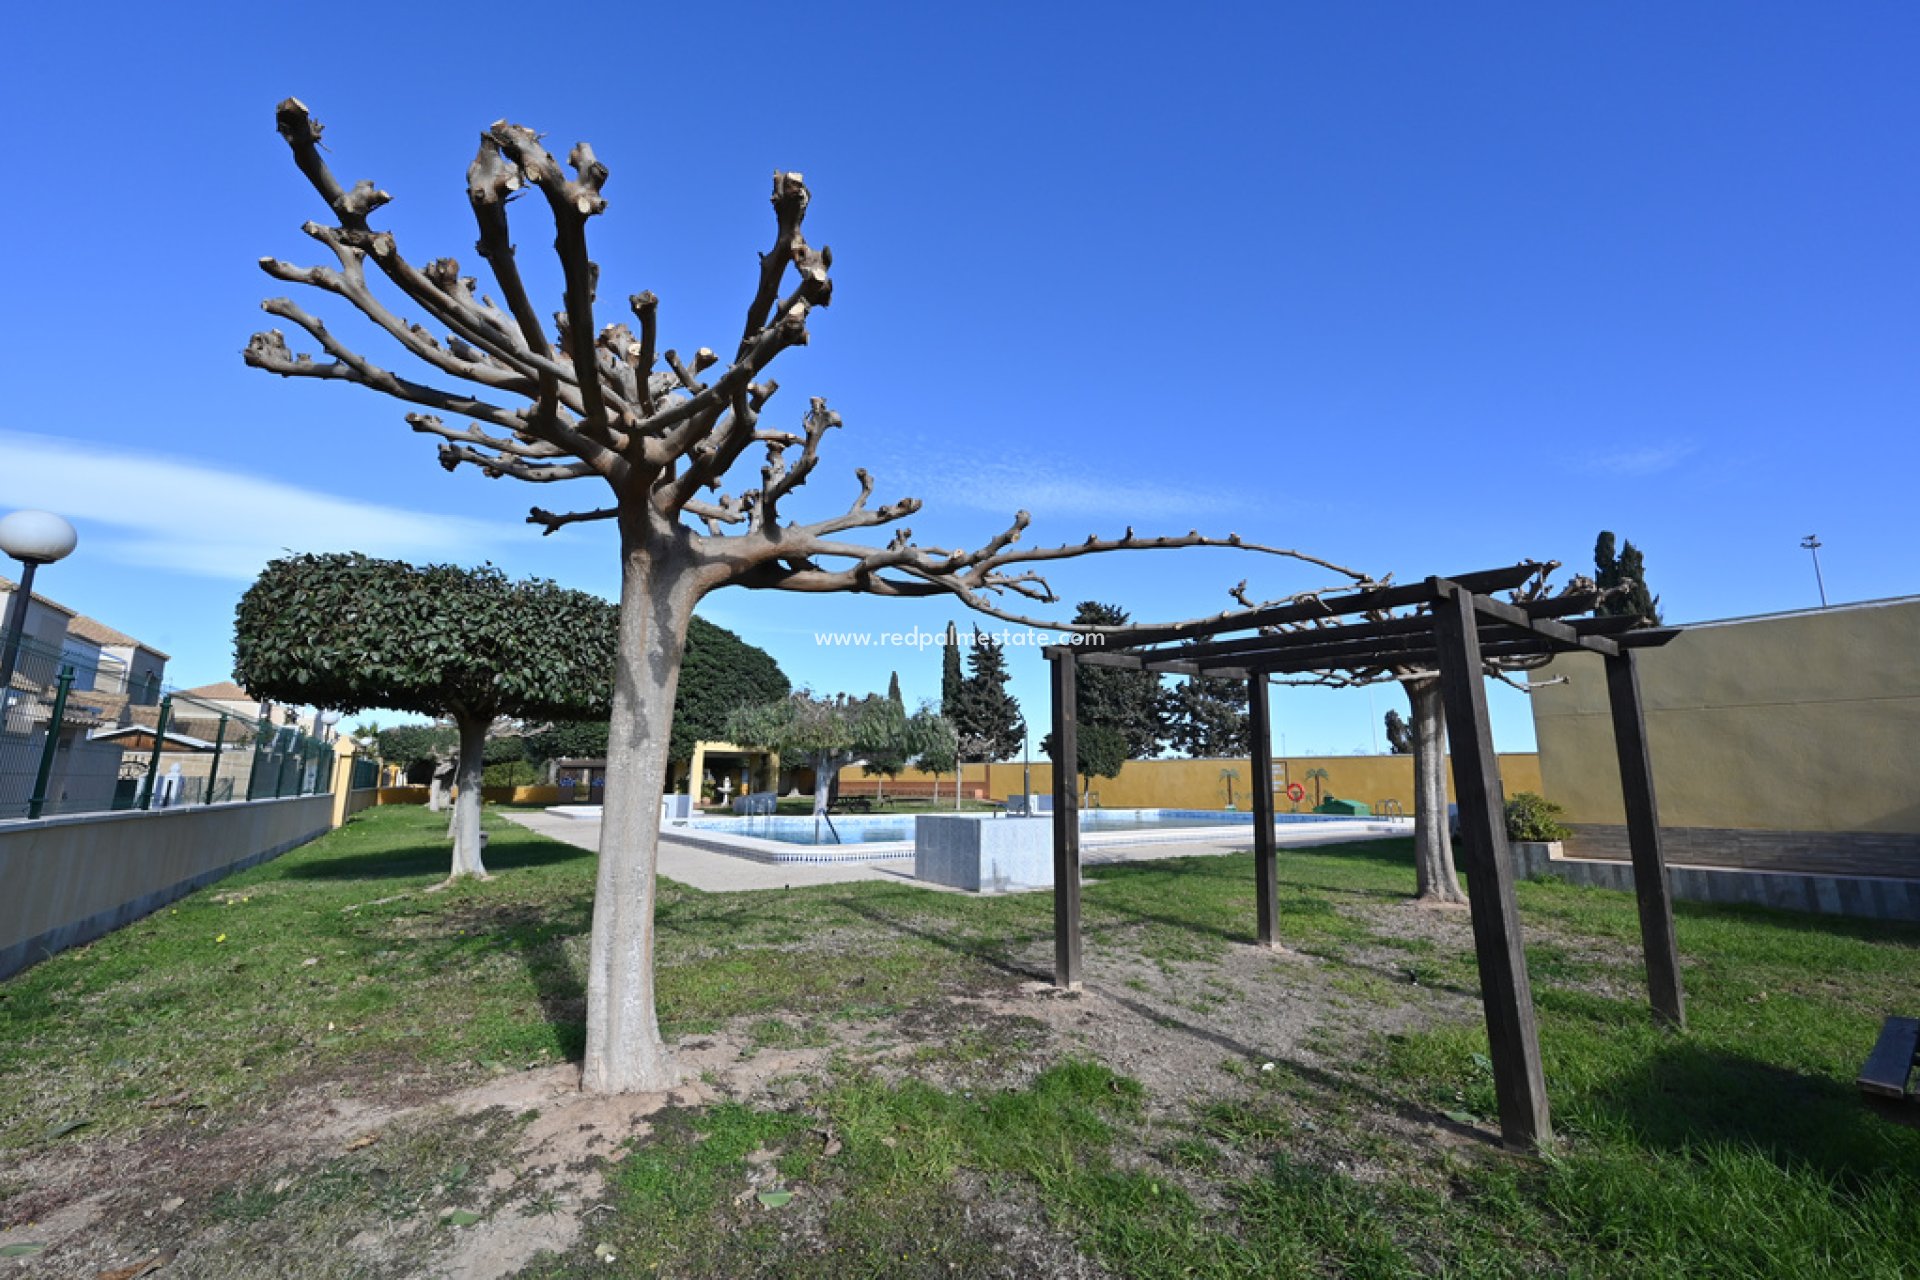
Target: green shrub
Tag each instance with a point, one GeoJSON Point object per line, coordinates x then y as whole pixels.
{"type": "Point", "coordinates": [1536, 818]}
{"type": "Point", "coordinates": [510, 773]}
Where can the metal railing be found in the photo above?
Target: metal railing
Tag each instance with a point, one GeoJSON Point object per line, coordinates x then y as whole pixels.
{"type": "Point", "coordinates": [82, 734]}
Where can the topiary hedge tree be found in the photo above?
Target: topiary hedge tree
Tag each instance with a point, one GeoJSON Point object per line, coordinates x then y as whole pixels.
{"type": "Point", "coordinates": [347, 632]}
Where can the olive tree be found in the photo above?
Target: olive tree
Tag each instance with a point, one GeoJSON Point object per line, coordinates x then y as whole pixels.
{"type": "Point", "coordinates": [348, 633]}
{"type": "Point", "coordinates": [661, 432]}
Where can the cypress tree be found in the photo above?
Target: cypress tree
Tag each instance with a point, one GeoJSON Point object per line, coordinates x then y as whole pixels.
{"type": "Point", "coordinates": [1625, 578]}
{"type": "Point", "coordinates": [951, 680]}
{"type": "Point", "coordinates": [988, 722]}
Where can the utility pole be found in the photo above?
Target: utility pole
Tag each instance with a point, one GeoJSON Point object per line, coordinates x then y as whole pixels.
{"type": "Point", "coordinates": [1812, 543]}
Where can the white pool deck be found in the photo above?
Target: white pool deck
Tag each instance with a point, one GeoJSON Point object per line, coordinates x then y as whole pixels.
{"type": "Point", "coordinates": [714, 871]}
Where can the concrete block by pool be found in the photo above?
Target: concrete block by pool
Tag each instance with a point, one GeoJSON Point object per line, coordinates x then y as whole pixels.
{"type": "Point", "coordinates": [983, 856]}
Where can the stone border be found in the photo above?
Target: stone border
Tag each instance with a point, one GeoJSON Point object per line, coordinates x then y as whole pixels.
{"type": "Point", "coordinates": [1814, 893]}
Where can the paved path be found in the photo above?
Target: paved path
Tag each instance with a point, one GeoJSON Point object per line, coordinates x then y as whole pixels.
{"type": "Point", "coordinates": [715, 872]}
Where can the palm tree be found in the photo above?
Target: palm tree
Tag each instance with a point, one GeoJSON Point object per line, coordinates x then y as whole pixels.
{"type": "Point", "coordinates": [1227, 776]}
{"type": "Point", "coordinates": [1316, 776]}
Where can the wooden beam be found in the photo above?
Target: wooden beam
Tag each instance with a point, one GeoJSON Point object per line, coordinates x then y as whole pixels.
{"type": "Point", "coordinates": [1066, 823]}
{"type": "Point", "coordinates": [1513, 1036]}
{"type": "Point", "coordinates": [1562, 605]}
{"type": "Point", "coordinates": [1650, 885]}
{"type": "Point", "coordinates": [1648, 637]}
{"type": "Point", "coordinates": [1266, 879]}
{"type": "Point", "coordinates": [1334, 606]}
{"type": "Point", "coordinates": [1515, 616]}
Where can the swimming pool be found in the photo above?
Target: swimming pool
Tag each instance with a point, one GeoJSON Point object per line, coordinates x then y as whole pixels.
{"type": "Point", "coordinates": [898, 828]}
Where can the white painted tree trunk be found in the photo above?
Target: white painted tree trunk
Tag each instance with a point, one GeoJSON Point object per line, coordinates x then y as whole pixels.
{"type": "Point", "coordinates": [1437, 883]}
{"type": "Point", "coordinates": [468, 778]}
{"type": "Point", "coordinates": [625, 1052]}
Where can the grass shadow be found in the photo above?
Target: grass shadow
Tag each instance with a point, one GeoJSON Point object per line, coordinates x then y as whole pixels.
{"type": "Point", "coordinates": [1691, 1099]}
{"type": "Point", "coordinates": [431, 858]}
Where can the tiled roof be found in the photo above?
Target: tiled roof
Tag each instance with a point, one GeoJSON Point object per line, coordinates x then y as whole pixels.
{"type": "Point", "coordinates": [9, 586]}
{"type": "Point", "coordinates": [223, 691]}
{"type": "Point", "coordinates": [101, 634]}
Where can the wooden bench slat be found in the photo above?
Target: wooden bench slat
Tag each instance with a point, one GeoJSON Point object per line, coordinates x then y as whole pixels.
{"type": "Point", "coordinates": [1892, 1058]}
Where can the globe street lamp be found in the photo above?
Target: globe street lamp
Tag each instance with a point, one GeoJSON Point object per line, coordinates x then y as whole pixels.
{"type": "Point", "coordinates": [33, 538]}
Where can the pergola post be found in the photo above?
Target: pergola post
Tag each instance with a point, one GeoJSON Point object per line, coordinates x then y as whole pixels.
{"type": "Point", "coordinates": [1650, 885]}
{"type": "Point", "coordinates": [1266, 880]}
{"type": "Point", "coordinates": [1066, 823]}
{"type": "Point", "coordinates": [1512, 1035]}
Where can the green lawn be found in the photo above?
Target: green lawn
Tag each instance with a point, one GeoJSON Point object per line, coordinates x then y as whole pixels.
{"type": "Point", "coordinates": [939, 1137]}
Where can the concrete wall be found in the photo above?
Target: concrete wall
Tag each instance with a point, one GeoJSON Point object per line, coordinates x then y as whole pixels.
{"type": "Point", "coordinates": [1197, 784]}
{"type": "Point", "coordinates": [1803, 723]}
{"type": "Point", "coordinates": [70, 880]}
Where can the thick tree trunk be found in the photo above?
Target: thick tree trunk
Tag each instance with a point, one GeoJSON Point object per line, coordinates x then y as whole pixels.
{"type": "Point", "coordinates": [1438, 884]}
{"type": "Point", "coordinates": [625, 1053]}
{"type": "Point", "coordinates": [468, 778]}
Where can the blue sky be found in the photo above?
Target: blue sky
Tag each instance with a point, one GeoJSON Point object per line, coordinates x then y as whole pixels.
{"type": "Point", "coordinates": [1420, 288]}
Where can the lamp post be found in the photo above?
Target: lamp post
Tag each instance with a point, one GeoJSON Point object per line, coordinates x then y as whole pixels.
{"type": "Point", "coordinates": [1812, 543]}
{"type": "Point", "coordinates": [1026, 762]}
{"type": "Point", "coordinates": [33, 538]}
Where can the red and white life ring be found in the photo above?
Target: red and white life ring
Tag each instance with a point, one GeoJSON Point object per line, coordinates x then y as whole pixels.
{"type": "Point", "coordinates": [1296, 793]}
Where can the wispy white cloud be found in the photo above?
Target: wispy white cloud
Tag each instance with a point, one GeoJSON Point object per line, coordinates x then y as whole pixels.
{"type": "Point", "coordinates": [1052, 486]}
{"type": "Point", "coordinates": [1646, 460]}
{"type": "Point", "coordinates": [177, 514]}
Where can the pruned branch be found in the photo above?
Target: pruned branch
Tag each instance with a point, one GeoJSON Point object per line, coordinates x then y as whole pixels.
{"type": "Point", "coordinates": [552, 521]}
{"type": "Point", "coordinates": [662, 439]}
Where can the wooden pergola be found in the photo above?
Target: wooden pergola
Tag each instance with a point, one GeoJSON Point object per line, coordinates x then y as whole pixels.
{"type": "Point", "coordinates": [1461, 627]}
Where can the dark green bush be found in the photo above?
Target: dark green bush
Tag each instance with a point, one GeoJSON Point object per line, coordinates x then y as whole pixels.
{"type": "Point", "coordinates": [1536, 818]}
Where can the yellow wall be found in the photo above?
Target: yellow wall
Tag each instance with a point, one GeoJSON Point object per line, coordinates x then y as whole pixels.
{"type": "Point", "coordinates": [1196, 784]}
{"type": "Point", "coordinates": [1798, 722]}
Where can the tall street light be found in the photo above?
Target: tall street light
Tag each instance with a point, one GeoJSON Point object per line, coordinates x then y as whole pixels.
{"type": "Point", "coordinates": [1812, 543]}
{"type": "Point", "coordinates": [33, 538]}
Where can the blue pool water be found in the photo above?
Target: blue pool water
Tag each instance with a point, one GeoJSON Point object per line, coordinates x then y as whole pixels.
{"type": "Point", "coordinates": [880, 829]}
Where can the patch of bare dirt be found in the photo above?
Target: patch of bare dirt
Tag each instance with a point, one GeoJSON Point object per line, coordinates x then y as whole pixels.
{"type": "Point", "coordinates": [1250, 1027]}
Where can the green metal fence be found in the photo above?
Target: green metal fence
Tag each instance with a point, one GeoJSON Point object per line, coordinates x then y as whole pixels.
{"type": "Point", "coordinates": [78, 735]}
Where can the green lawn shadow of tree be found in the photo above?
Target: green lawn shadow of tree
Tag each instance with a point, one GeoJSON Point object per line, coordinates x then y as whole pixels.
{"type": "Point", "coordinates": [1688, 1098]}
{"type": "Point", "coordinates": [432, 858]}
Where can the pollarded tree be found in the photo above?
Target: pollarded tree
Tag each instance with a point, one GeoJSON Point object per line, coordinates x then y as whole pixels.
{"type": "Point", "coordinates": [829, 733]}
{"type": "Point", "coordinates": [346, 632]}
{"type": "Point", "coordinates": [587, 402]}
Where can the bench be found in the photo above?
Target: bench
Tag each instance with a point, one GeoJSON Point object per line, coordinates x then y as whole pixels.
{"type": "Point", "coordinates": [853, 804]}
{"type": "Point", "coordinates": [1891, 1061]}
